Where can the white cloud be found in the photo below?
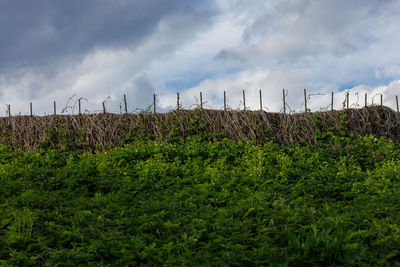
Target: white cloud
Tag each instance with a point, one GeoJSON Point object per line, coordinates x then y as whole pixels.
{"type": "Point", "coordinates": [269, 80]}
{"type": "Point", "coordinates": [100, 73]}
{"type": "Point", "coordinates": [323, 46]}
{"type": "Point", "coordinates": [272, 99]}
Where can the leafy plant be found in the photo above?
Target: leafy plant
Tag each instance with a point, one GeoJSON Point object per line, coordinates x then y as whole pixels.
{"type": "Point", "coordinates": [203, 202]}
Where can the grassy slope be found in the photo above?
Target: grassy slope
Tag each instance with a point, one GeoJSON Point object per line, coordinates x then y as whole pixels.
{"type": "Point", "coordinates": [192, 203]}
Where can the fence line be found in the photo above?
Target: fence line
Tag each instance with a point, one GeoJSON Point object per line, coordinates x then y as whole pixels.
{"type": "Point", "coordinates": [346, 103]}
{"type": "Point", "coordinates": [154, 102]}
{"type": "Point", "coordinates": [126, 106]}
{"type": "Point", "coordinates": [224, 101]}
{"type": "Point", "coordinates": [244, 101]}
{"type": "Point", "coordinates": [305, 100]}
{"type": "Point", "coordinates": [177, 101]}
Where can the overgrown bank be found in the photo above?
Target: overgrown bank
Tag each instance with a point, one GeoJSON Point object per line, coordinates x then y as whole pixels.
{"type": "Point", "coordinates": [102, 131]}
{"type": "Point", "coordinates": [192, 203]}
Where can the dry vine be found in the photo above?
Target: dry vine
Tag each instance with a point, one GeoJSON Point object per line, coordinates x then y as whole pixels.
{"type": "Point", "coordinates": [100, 131]}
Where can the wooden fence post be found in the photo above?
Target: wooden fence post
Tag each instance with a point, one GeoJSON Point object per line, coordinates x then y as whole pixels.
{"type": "Point", "coordinates": [397, 103]}
{"type": "Point", "coordinates": [381, 99]}
{"type": "Point", "coordinates": [305, 100]}
{"type": "Point", "coordinates": [154, 102]}
{"type": "Point", "coordinates": [224, 101]}
{"type": "Point", "coordinates": [201, 100]}
{"type": "Point", "coordinates": [9, 110]}
{"type": "Point", "coordinates": [104, 108]}
{"type": "Point", "coordinates": [177, 100]}
{"type": "Point", "coordinates": [30, 108]}
{"type": "Point", "coordinates": [126, 105]}
{"type": "Point", "coordinates": [55, 109]}
{"type": "Point", "coordinates": [366, 97]}
{"type": "Point", "coordinates": [260, 101]}
{"type": "Point", "coordinates": [332, 102]}
{"type": "Point", "coordinates": [347, 99]}
{"type": "Point", "coordinates": [79, 106]}
{"type": "Point", "coordinates": [284, 102]}
{"type": "Point", "coordinates": [244, 101]}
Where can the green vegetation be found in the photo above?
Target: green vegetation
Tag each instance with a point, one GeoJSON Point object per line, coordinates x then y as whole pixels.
{"type": "Point", "coordinates": [203, 203]}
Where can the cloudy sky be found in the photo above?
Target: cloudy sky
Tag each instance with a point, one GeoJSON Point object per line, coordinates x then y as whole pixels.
{"type": "Point", "coordinates": [57, 50]}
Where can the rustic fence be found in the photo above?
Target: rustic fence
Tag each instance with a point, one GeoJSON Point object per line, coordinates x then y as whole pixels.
{"type": "Point", "coordinates": [285, 105]}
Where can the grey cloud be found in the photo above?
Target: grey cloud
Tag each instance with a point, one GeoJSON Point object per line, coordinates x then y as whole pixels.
{"type": "Point", "coordinates": [139, 95]}
{"type": "Point", "coordinates": [41, 32]}
{"type": "Point", "coordinates": [225, 54]}
{"type": "Point", "coordinates": [55, 49]}
{"type": "Point", "coordinates": [140, 92]}
{"type": "Point", "coordinates": [319, 45]}
{"type": "Point", "coordinates": [289, 30]}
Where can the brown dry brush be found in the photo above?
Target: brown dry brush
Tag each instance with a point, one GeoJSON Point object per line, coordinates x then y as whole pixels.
{"type": "Point", "coordinates": [102, 131]}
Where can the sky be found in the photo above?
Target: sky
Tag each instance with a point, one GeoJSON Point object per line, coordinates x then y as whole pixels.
{"type": "Point", "coordinates": [99, 50]}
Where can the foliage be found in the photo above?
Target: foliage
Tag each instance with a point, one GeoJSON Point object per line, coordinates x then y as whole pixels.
{"type": "Point", "coordinates": [203, 203]}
